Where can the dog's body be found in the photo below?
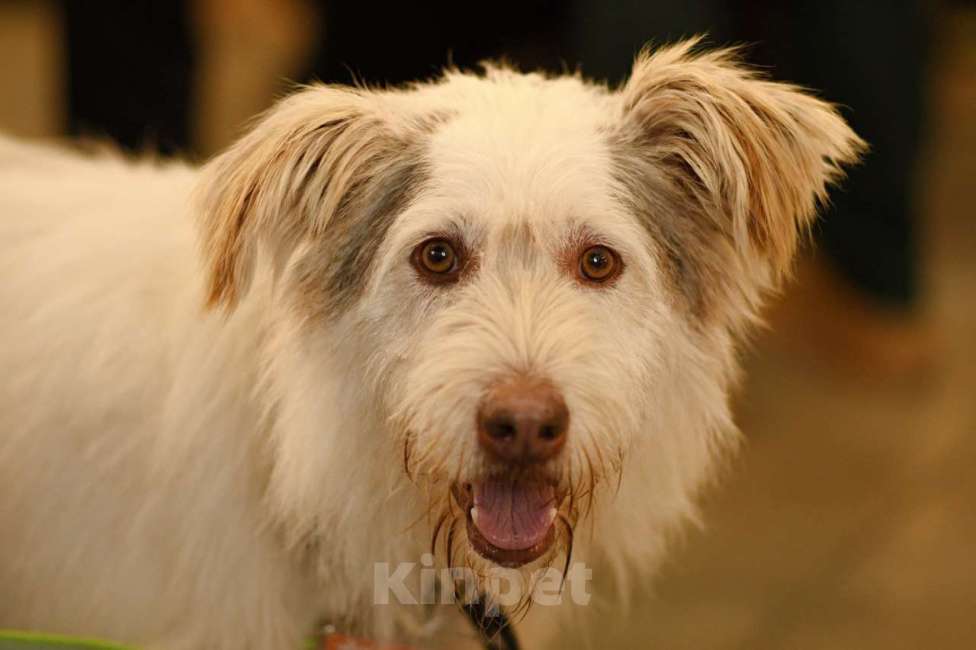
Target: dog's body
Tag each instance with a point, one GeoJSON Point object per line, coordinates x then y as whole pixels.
{"type": "Point", "coordinates": [125, 514]}
{"type": "Point", "coordinates": [177, 477]}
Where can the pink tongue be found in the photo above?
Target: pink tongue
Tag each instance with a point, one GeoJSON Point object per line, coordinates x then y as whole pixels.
{"type": "Point", "coordinates": [513, 516]}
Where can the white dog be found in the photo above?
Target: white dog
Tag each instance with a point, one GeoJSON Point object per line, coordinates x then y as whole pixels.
{"type": "Point", "coordinates": [471, 316]}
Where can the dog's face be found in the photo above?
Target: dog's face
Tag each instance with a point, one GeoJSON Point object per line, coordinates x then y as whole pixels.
{"type": "Point", "coordinates": [532, 312]}
{"type": "Point", "coordinates": [525, 286]}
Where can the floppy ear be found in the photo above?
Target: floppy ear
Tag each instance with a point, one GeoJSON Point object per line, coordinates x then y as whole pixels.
{"type": "Point", "coordinates": [749, 157]}
{"type": "Point", "coordinates": [285, 181]}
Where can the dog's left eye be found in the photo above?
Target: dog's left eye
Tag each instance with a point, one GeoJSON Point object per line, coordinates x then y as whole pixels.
{"type": "Point", "coordinates": [599, 264]}
{"type": "Point", "coordinates": [437, 260]}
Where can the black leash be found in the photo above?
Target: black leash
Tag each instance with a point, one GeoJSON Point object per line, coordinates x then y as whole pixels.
{"type": "Point", "coordinates": [494, 627]}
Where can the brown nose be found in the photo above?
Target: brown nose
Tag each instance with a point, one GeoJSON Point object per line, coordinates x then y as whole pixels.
{"type": "Point", "coordinates": [523, 421]}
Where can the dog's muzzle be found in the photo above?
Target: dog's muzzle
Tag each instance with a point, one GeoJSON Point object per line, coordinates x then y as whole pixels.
{"type": "Point", "coordinates": [511, 515]}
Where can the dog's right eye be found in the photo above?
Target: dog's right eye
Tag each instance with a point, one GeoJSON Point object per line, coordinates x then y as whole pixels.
{"type": "Point", "coordinates": [437, 260]}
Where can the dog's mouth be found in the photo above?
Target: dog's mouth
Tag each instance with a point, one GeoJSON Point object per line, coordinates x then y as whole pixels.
{"type": "Point", "coordinates": [509, 522]}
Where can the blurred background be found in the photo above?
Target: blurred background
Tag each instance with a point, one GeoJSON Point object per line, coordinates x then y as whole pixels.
{"type": "Point", "coordinates": [849, 518]}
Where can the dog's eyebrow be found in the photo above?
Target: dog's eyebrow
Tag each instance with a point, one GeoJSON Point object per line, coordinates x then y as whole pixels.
{"type": "Point", "coordinates": [334, 272]}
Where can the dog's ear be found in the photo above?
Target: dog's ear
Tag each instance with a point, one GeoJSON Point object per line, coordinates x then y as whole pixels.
{"type": "Point", "coordinates": [285, 181]}
{"type": "Point", "coordinates": [754, 156]}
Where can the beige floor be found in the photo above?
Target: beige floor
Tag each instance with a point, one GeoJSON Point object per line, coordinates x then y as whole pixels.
{"type": "Point", "coordinates": [849, 519]}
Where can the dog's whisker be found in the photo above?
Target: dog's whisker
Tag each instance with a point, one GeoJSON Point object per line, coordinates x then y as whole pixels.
{"type": "Point", "coordinates": [620, 478]}
{"type": "Point", "coordinates": [569, 550]}
{"type": "Point", "coordinates": [591, 477]}
{"type": "Point", "coordinates": [406, 455]}
{"type": "Point", "coordinates": [521, 610]}
{"type": "Point", "coordinates": [436, 533]}
{"type": "Point", "coordinates": [602, 461]}
{"type": "Point", "coordinates": [450, 543]}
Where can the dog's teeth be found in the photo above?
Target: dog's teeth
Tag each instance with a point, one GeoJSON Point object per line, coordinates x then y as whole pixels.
{"type": "Point", "coordinates": [474, 515]}
{"type": "Point", "coordinates": [552, 515]}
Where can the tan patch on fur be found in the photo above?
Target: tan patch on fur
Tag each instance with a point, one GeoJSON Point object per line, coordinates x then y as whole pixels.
{"type": "Point", "coordinates": [288, 179]}
{"type": "Point", "coordinates": [751, 159]}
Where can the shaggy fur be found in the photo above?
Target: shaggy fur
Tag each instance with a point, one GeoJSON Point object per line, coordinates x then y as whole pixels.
{"type": "Point", "coordinates": [182, 477]}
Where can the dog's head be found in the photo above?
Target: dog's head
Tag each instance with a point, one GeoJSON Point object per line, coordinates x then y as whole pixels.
{"type": "Point", "coordinates": [511, 288]}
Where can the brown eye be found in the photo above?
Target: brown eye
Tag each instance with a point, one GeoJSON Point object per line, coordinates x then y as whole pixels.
{"type": "Point", "coordinates": [437, 260]}
{"type": "Point", "coordinates": [598, 264]}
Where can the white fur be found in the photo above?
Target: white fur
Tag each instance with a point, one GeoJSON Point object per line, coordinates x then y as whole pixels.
{"type": "Point", "coordinates": [176, 477]}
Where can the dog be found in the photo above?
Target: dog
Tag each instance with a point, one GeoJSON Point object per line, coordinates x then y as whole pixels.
{"type": "Point", "coordinates": [491, 318]}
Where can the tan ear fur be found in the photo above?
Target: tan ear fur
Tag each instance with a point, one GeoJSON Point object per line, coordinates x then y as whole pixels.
{"type": "Point", "coordinates": [757, 156]}
{"type": "Point", "coordinates": [283, 181]}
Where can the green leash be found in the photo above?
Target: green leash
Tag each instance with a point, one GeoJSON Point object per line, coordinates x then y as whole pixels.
{"type": "Point", "coordinates": [17, 640]}
{"type": "Point", "coordinates": [12, 640]}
